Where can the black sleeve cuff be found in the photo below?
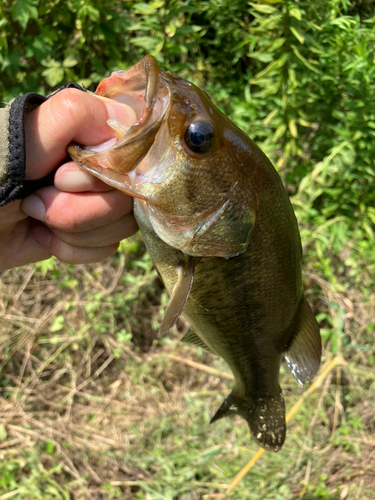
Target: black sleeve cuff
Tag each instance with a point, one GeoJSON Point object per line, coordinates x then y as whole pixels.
{"type": "Point", "coordinates": [16, 187]}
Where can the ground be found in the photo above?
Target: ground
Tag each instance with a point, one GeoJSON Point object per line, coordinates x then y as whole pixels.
{"type": "Point", "coordinates": [93, 406]}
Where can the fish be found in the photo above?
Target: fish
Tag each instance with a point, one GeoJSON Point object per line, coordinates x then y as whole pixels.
{"type": "Point", "coordinates": [222, 235]}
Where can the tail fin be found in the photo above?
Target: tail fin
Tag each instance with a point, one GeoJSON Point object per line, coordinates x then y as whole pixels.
{"type": "Point", "coordinates": [265, 416]}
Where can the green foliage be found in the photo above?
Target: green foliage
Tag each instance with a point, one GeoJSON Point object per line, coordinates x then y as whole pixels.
{"type": "Point", "coordinates": [299, 77]}
{"type": "Point", "coordinates": [27, 478]}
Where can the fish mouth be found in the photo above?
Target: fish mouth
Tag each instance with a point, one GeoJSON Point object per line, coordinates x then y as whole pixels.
{"type": "Point", "coordinates": [145, 89]}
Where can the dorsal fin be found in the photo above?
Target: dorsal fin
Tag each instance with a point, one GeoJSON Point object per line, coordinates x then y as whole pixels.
{"type": "Point", "coordinates": [192, 338]}
{"type": "Point", "coordinates": [303, 353]}
{"type": "Point", "coordinates": [179, 295]}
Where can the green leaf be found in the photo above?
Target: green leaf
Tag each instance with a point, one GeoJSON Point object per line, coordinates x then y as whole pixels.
{"type": "Point", "coordinates": [123, 337]}
{"type": "Point", "coordinates": [3, 433]}
{"type": "Point", "coordinates": [173, 13]}
{"type": "Point", "coordinates": [261, 56]}
{"type": "Point", "coordinates": [49, 447]}
{"type": "Point", "coordinates": [186, 30]}
{"type": "Point", "coordinates": [271, 116]}
{"type": "Point", "coordinates": [57, 324]}
{"type": "Point", "coordinates": [88, 10]}
{"type": "Point", "coordinates": [297, 34]}
{"type": "Point", "coordinates": [273, 67]}
{"type": "Point", "coordinates": [51, 63]}
{"type": "Point", "coordinates": [343, 22]}
{"type": "Point", "coordinates": [371, 214]}
{"type": "Point", "coordinates": [154, 492]}
{"type": "Point", "coordinates": [212, 452]}
{"type": "Point", "coordinates": [369, 230]}
{"type": "Point", "coordinates": [54, 75]}
{"type": "Point", "coordinates": [158, 48]}
{"type": "Point", "coordinates": [264, 9]}
{"type": "Point", "coordinates": [295, 12]}
{"type": "Point", "coordinates": [304, 60]}
{"type": "Point", "coordinates": [38, 49]}
{"type": "Point", "coordinates": [276, 44]}
{"type": "Point", "coordinates": [69, 62]}
{"type": "Point", "coordinates": [85, 82]}
{"type": "Point", "coordinates": [293, 128]}
{"type": "Point", "coordinates": [146, 42]}
{"type": "Point", "coordinates": [304, 123]}
{"type": "Point", "coordinates": [23, 10]}
{"type": "Point", "coordinates": [280, 131]}
{"type": "Point", "coordinates": [147, 8]}
{"type": "Point", "coordinates": [292, 76]}
{"type": "Point", "coordinates": [46, 265]}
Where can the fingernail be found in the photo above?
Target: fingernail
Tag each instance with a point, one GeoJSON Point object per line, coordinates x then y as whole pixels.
{"type": "Point", "coordinates": [121, 112]}
{"type": "Point", "coordinates": [43, 235]}
{"type": "Point", "coordinates": [33, 207]}
{"type": "Point", "coordinates": [74, 182]}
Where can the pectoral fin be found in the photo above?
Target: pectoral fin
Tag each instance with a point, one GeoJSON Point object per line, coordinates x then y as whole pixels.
{"type": "Point", "coordinates": [179, 295]}
{"type": "Point", "coordinates": [303, 354]}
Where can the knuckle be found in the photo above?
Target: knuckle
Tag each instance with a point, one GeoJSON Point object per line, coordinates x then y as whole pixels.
{"type": "Point", "coordinates": [68, 253]}
{"type": "Point", "coordinates": [62, 215]}
{"type": "Point", "coordinates": [71, 105]}
{"type": "Point", "coordinates": [80, 255]}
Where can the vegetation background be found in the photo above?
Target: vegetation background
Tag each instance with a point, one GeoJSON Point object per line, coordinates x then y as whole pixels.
{"type": "Point", "coordinates": [91, 406]}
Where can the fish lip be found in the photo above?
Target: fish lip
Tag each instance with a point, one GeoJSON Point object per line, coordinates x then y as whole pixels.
{"type": "Point", "coordinates": [144, 78]}
{"type": "Point", "coordinates": [152, 72]}
{"type": "Point", "coordinates": [123, 84]}
{"type": "Point", "coordinates": [123, 163]}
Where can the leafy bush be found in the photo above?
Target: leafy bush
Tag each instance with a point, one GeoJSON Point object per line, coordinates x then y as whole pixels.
{"type": "Point", "coordinates": [297, 76]}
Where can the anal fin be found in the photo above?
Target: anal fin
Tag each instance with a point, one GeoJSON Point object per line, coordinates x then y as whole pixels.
{"type": "Point", "coordinates": [304, 352]}
{"type": "Point", "coordinates": [179, 295]}
{"type": "Point", "coordinates": [192, 338]}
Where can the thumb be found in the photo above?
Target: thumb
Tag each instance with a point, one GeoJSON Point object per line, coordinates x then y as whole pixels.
{"type": "Point", "coordinates": [70, 115]}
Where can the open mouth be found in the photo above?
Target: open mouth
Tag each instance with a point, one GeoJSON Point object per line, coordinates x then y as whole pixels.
{"type": "Point", "coordinates": [144, 89]}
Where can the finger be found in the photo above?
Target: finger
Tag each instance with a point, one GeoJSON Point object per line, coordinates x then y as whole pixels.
{"type": "Point", "coordinates": [10, 214]}
{"type": "Point", "coordinates": [76, 212]}
{"type": "Point", "coordinates": [67, 253]}
{"type": "Point", "coordinates": [70, 115]}
{"type": "Point", "coordinates": [107, 235]}
{"type": "Point", "coordinates": [19, 247]}
{"type": "Point", "coordinates": [70, 178]}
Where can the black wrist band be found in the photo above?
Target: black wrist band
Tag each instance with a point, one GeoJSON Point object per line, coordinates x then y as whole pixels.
{"type": "Point", "coordinates": [16, 187]}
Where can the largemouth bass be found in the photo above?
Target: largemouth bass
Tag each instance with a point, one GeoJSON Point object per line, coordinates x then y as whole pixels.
{"type": "Point", "coordinates": [221, 233]}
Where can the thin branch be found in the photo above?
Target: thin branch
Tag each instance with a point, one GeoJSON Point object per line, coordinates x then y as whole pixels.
{"type": "Point", "coordinates": [201, 367]}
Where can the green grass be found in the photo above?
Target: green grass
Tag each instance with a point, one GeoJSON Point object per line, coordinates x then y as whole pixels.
{"type": "Point", "coordinates": [92, 407]}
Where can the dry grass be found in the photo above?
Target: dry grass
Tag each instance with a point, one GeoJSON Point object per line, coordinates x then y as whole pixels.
{"type": "Point", "coordinates": [86, 414]}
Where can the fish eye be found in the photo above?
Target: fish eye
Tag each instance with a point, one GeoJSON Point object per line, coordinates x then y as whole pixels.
{"type": "Point", "coordinates": [200, 137]}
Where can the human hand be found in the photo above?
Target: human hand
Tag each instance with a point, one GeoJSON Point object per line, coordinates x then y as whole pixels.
{"type": "Point", "coordinates": [79, 219]}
